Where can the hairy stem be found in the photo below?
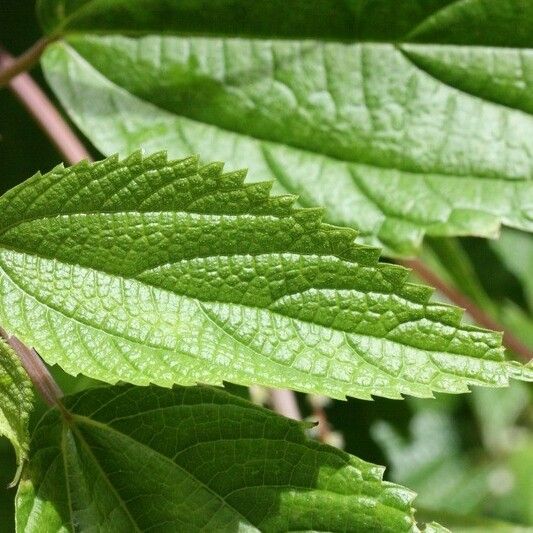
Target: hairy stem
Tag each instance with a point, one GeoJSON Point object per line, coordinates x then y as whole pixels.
{"type": "Point", "coordinates": [43, 111]}
{"type": "Point", "coordinates": [482, 318]}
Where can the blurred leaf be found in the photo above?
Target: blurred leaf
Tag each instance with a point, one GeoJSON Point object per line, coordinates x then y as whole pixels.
{"type": "Point", "coordinates": [497, 415]}
{"type": "Point", "coordinates": [430, 461]}
{"type": "Point", "coordinates": [447, 257]}
{"type": "Point", "coordinates": [520, 323]}
{"type": "Point", "coordinates": [515, 249]}
{"type": "Point", "coordinates": [517, 504]}
{"type": "Point", "coordinates": [451, 480]}
{"type": "Point", "coordinates": [474, 524]}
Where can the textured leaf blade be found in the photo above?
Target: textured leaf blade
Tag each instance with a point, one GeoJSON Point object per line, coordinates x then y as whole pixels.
{"type": "Point", "coordinates": [149, 270]}
{"type": "Point", "coordinates": [16, 401]}
{"type": "Point", "coordinates": [218, 463]}
{"type": "Point", "coordinates": [401, 134]}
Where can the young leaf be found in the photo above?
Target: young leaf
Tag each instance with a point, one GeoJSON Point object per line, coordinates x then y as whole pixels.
{"type": "Point", "coordinates": [16, 401]}
{"type": "Point", "coordinates": [396, 116]}
{"type": "Point", "coordinates": [149, 270]}
{"type": "Point", "coordinates": [195, 459]}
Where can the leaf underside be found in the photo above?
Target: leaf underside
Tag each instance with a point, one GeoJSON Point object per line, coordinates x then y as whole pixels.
{"type": "Point", "coordinates": [195, 459]}
{"type": "Point", "coordinates": [402, 118]}
{"type": "Point", "coordinates": [155, 271]}
{"type": "Point", "coordinates": [16, 401]}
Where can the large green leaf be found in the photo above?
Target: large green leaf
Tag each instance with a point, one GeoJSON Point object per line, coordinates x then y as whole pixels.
{"type": "Point", "coordinates": [16, 401]}
{"type": "Point", "coordinates": [149, 270]}
{"type": "Point", "coordinates": [195, 459]}
{"type": "Point", "coordinates": [401, 117]}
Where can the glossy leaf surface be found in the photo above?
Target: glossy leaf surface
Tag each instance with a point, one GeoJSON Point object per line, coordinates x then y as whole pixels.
{"type": "Point", "coordinates": [400, 117]}
{"type": "Point", "coordinates": [157, 271]}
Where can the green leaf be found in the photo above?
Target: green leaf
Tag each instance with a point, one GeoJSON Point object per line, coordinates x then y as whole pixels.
{"type": "Point", "coordinates": [156, 271]}
{"type": "Point", "coordinates": [460, 523]}
{"type": "Point", "coordinates": [16, 401]}
{"type": "Point", "coordinates": [449, 259]}
{"type": "Point", "coordinates": [397, 117]}
{"type": "Point", "coordinates": [452, 481]}
{"type": "Point", "coordinates": [432, 462]}
{"type": "Point", "coordinates": [497, 415]}
{"type": "Point", "coordinates": [196, 459]}
{"type": "Point", "coordinates": [515, 249]}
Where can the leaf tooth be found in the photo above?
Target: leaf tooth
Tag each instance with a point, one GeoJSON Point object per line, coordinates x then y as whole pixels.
{"type": "Point", "coordinates": [396, 495]}
{"type": "Point", "coordinates": [103, 166]}
{"type": "Point", "coordinates": [191, 162]}
{"type": "Point", "coordinates": [448, 314]}
{"type": "Point", "coordinates": [137, 158]}
{"type": "Point", "coordinates": [280, 206]}
{"type": "Point", "coordinates": [258, 193]}
{"type": "Point", "coordinates": [522, 372]}
{"type": "Point", "coordinates": [235, 178]}
{"type": "Point", "coordinates": [359, 253]}
{"type": "Point", "coordinates": [38, 175]}
{"type": "Point", "coordinates": [212, 171]}
{"type": "Point", "coordinates": [311, 215]}
{"type": "Point", "coordinates": [493, 339]}
{"type": "Point", "coordinates": [395, 275]}
{"type": "Point", "coordinates": [417, 293]}
{"type": "Point", "coordinates": [373, 472]}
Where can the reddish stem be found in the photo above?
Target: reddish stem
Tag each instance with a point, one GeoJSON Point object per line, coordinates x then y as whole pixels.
{"type": "Point", "coordinates": [482, 318]}
{"type": "Point", "coordinates": [41, 108]}
{"type": "Point", "coordinates": [284, 402]}
{"type": "Point", "coordinates": [22, 63]}
{"type": "Point", "coordinates": [36, 370]}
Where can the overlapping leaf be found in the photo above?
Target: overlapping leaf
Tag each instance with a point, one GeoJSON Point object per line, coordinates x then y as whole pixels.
{"type": "Point", "coordinates": [400, 117]}
{"type": "Point", "coordinates": [16, 401]}
{"type": "Point", "coordinates": [149, 270]}
{"type": "Point", "coordinates": [195, 459]}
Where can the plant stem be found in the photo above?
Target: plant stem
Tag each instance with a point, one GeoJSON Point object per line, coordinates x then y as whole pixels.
{"type": "Point", "coordinates": [43, 111]}
{"type": "Point", "coordinates": [482, 318]}
{"type": "Point", "coordinates": [24, 62]}
{"type": "Point", "coordinates": [324, 429]}
{"type": "Point", "coordinates": [284, 402]}
{"type": "Point", "coordinates": [36, 370]}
